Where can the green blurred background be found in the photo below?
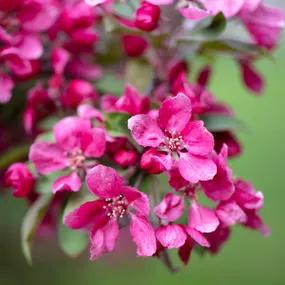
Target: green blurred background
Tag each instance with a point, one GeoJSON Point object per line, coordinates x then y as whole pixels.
{"type": "Point", "coordinates": [247, 258]}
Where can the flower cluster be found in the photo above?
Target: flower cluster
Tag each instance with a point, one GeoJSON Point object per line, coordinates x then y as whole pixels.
{"type": "Point", "coordinates": [108, 126]}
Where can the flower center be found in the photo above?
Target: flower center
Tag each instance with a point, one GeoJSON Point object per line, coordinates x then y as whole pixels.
{"type": "Point", "coordinates": [174, 142]}
{"type": "Point", "coordinates": [76, 159]}
{"type": "Point", "coordinates": [116, 207]}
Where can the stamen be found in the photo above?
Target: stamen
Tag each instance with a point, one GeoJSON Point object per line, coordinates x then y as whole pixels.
{"type": "Point", "coordinates": [116, 207]}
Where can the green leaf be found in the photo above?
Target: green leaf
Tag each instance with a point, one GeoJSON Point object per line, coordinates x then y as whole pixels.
{"type": "Point", "coordinates": [117, 124]}
{"type": "Point", "coordinates": [217, 26]}
{"type": "Point", "coordinates": [110, 84]}
{"type": "Point", "coordinates": [46, 137]}
{"type": "Point", "coordinates": [31, 221]}
{"type": "Point", "coordinates": [140, 74]}
{"type": "Point", "coordinates": [126, 9]}
{"type": "Point", "coordinates": [222, 123]}
{"type": "Point", "coordinates": [44, 183]}
{"type": "Point", "coordinates": [48, 123]}
{"type": "Point", "coordinates": [72, 242]}
{"type": "Point", "coordinates": [14, 154]}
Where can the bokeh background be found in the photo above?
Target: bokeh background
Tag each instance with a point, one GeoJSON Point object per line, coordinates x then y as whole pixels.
{"type": "Point", "coordinates": [247, 258]}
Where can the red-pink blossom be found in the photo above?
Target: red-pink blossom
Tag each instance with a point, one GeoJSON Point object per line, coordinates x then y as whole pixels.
{"type": "Point", "coordinates": [102, 216]}
{"type": "Point", "coordinates": [147, 16]}
{"type": "Point", "coordinates": [75, 141]}
{"type": "Point", "coordinates": [20, 179]}
{"type": "Point", "coordinates": [186, 144]}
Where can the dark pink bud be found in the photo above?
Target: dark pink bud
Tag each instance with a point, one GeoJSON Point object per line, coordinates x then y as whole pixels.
{"type": "Point", "coordinates": [251, 78]}
{"type": "Point", "coordinates": [126, 158]}
{"type": "Point", "coordinates": [134, 45]}
{"type": "Point", "coordinates": [147, 17]}
{"type": "Point", "coordinates": [20, 179]}
{"type": "Point", "coordinates": [151, 163]}
{"type": "Point", "coordinates": [76, 92]}
{"type": "Point", "coordinates": [204, 76]}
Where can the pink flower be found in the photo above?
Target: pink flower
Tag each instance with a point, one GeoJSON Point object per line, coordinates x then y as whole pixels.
{"type": "Point", "coordinates": [147, 17]}
{"type": "Point", "coordinates": [221, 187]}
{"type": "Point", "coordinates": [19, 177]}
{"type": "Point", "coordinates": [131, 102]}
{"type": "Point", "coordinates": [172, 235]}
{"type": "Point", "coordinates": [264, 24]}
{"type": "Point", "coordinates": [75, 142]}
{"type": "Point", "coordinates": [102, 216]}
{"type": "Point", "coordinates": [185, 144]}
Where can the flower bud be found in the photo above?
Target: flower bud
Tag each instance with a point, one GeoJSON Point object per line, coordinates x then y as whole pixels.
{"type": "Point", "coordinates": [151, 163]}
{"type": "Point", "coordinates": [147, 17]}
{"type": "Point", "coordinates": [126, 158]}
{"type": "Point", "coordinates": [77, 91]}
{"type": "Point", "coordinates": [133, 46]}
{"type": "Point", "coordinates": [20, 179]}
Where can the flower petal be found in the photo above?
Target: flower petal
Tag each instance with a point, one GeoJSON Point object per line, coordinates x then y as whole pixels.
{"type": "Point", "coordinates": [175, 113]}
{"type": "Point", "coordinates": [104, 182]}
{"type": "Point", "coordinates": [97, 146]}
{"type": "Point", "coordinates": [70, 183]}
{"type": "Point", "coordinates": [47, 157]}
{"type": "Point", "coordinates": [85, 215]}
{"type": "Point", "coordinates": [138, 200]}
{"type": "Point", "coordinates": [171, 236]}
{"type": "Point", "coordinates": [143, 235]}
{"type": "Point", "coordinates": [196, 168]}
{"type": "Point", "coordinates": [197, 237]}
{"type": "Point", "coordinates": [202, 219]}
{"type": "Point", "coordinates": [103, 240]}
{"type": "Point", "coordinates": [6, 86]}
{"type": "Point", "coordinates": [145, 130]}
{"type": "Point", "coordinates": [197, 138]}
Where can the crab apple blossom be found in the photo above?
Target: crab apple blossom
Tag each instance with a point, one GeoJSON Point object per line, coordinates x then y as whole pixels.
{"type": "Point", "coordinates": [75, 142]}
{"type": "Point", "coordinates": [185, 144]}
{"type": "Point", "coordinates": [109, 121]}
{"type": "Point", "coordinates": [115, 201]}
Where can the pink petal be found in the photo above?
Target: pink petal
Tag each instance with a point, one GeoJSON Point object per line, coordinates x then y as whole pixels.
{"type": "Point", "coordinates": [47, 157]}
{"type": "Point", "coordinates": [70, 183]}
{"type": "Point", "coordinates": [98, 144]}
{"type": "Point", "coordinates": [136, 199]}
{"type": "Point", "coordinates": [170, 208]}
{"type": "Point", "coordinates": [197, 237]}
{"type": "Point", "coordinates": [59, 59]}
{"type": "Point", "coordinates": [145, 130]}
{"type": "Point", "coordinates": [85, 215]}
{"type": "Point", "coordinates": [221, 187]}
{"type": "Point", "coordinates": [73, 132]}
{"type": "Point", "coordinates": [160, 2]}
{"type": "Point", "coordinates": [251, 78]}
{"type": "Point", "coordinates": [176, 180]}
{"type": "Point", "coordinates": [104, 182]}
{"type": "Point", "coordinates": [175, 113]}
{"type": "Point", "coordinates": [171, 236]}
{"type": "Point", "coordinates": [143, 235]}
{"type": "Point", "coordinates": [230, 214]}
{"type": "Point", "coordinates": [202, 219]}
{"type": "Point", "coordinates": [196, 168]}
{"type": "Point", "coordinates": [228, 7]}
{"type": "Point", "coordinates": [155, 161]}
{"type": "Point", "coordinates": [103, 240]}
{"type": "Point", "coordinates": [197, 138]}
{"type": "Point", "coordinates": [185, 251]}
{"type": "Point", "coordinates": [6, 87]}
{"type": "Point", "coordinates": [193, 12]}
{"type": "Point", "coordinates": [265, 25]}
